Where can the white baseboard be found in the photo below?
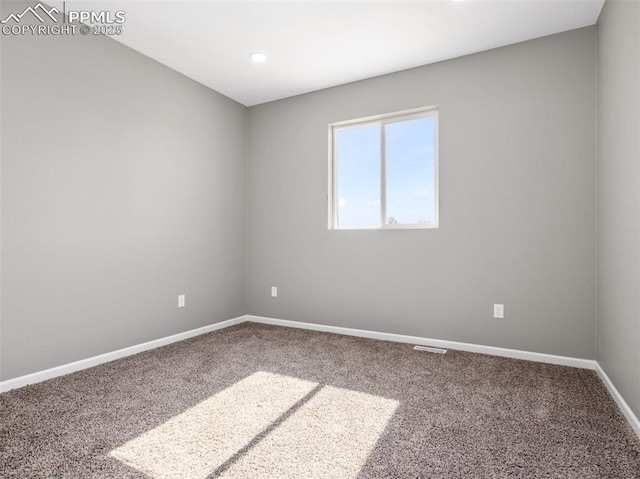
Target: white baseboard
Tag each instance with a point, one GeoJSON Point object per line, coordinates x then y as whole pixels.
{"type": "Point", "coordinates": [474, 348]}
{"type": "Point", "coordinates": [633, 420]}
{"type": "Point", "coordinates": [440, 343]}
{"type": "Point", "coordinates": [105, 358]}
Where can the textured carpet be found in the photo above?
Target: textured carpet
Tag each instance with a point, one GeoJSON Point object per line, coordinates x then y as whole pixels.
{"type": "Point", "coordinates": [257, 401]}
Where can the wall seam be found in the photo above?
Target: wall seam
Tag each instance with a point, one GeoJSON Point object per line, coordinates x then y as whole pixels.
{"type": "Point", "coordinates": [246, 210]}
{"type": "Point", "coordinates": [597, 165]}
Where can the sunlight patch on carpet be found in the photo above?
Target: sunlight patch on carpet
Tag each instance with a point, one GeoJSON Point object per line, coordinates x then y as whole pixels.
{"type": "Point", "coordinates": [197, 441]}
{"type": "Point", "coordinates": [329, 437]}
{"type": "Point", "coordinates": [266, 425]}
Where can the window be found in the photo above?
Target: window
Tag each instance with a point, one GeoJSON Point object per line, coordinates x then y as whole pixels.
{"type": "Point", "coordinates": [384, 171]}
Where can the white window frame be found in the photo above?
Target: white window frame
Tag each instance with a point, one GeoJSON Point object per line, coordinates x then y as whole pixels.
{"type": "Point", "coordinates": [382, 120]}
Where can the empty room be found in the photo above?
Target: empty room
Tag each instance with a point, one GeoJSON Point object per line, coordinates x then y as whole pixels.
{"type": "Point", "coordinates": [320, 239]}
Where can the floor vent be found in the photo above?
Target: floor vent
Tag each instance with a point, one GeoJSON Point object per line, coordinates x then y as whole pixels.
{"type": "Point", "coordinates": [430, 349]}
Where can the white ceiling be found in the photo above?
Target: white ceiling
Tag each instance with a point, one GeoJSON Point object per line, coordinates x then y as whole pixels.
{"type": "Point", "coordinates": [318, 44]}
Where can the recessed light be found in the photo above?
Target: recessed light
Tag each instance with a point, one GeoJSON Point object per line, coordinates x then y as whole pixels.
{"type": "Point", "coordinates": [258, 57]}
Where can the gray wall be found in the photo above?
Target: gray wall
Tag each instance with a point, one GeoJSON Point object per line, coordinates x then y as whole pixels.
{"type": "Point", "coordinates": [123, 185]}
{"type": "Point", "coordinates": [517, 178]}
{"type": "Point", "coordinates": [619, 197]}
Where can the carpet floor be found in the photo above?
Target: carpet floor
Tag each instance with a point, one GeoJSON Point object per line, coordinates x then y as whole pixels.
{"type": "Point", "coordinates": [259, 401]}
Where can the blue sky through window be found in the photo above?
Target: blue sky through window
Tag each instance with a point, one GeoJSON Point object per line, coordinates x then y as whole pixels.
{"type": "Point", "coordinates": [359, 176]}
{"type": "Point", "coordinates": [410, 173]}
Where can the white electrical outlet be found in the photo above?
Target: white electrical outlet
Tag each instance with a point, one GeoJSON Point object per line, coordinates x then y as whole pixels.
{"type": "Point", "coordinates": [274, 291]}
{"type": "Point", "coordinates": [181, 301]}
{"type": "Point", "coordinates": [498, 311]}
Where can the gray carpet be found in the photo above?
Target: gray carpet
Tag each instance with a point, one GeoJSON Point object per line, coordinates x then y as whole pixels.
{"type": "Point", "coordinates": [257, 401]}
